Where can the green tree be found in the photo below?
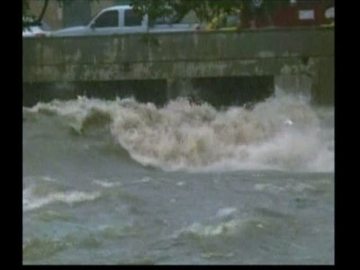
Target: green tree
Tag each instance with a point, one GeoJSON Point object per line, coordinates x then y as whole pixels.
{"type": "Point", "coordinates": [207, 10]}
{"type": "Point", "coordinates": [26, 10]}
{"type": "Point", "coordinates": [29, 18]}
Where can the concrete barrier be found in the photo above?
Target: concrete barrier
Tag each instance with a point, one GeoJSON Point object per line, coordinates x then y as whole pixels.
{"type": "Point", "coordinates": [299, 55]}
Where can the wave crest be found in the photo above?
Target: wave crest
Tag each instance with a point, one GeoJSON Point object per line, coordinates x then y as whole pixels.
{"type": "Point", "coordinates": [32, 202]}
{"type": "Point", "coordinates": [283, 132]}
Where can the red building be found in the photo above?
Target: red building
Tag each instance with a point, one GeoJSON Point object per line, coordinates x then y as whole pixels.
{"type": "Point", "coordinates": [305, 13]}
{"type": "Point", "coordinates": [291, 13]}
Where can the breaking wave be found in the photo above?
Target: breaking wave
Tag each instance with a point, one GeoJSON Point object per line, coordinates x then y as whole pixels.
{"type": "Point", "coordinates": [227, 223]}
{"type": "Point", "coordinates": [283, 132]}
{"type": "Point", "coordinates": [31, 201]}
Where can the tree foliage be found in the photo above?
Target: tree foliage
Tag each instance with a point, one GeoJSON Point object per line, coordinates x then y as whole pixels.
{"type": "Point", "coordinates": [205, 10]}
{"type": "Point", "coordinates": [29, 18]}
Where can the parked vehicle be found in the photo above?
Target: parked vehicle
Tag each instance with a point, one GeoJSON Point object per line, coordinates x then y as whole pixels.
{"type": "Point", "coordinates": [35, 29]}
{"type": "Point", "coordinates": [122, 20]}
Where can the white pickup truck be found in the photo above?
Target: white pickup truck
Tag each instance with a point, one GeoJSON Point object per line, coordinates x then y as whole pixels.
{"type": "Point", "coordinates": [122, 20]}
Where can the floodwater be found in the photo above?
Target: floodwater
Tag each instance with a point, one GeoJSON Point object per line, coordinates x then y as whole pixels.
{"type": "Point", "coordinates": [124, 182]}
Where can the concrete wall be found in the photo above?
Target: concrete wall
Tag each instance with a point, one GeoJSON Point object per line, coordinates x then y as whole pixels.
{"type": "Point", "coordinates": [290, 55]}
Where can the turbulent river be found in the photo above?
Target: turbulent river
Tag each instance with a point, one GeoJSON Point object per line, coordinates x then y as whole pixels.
{"type": "Point", "coordinates": [124, 182]}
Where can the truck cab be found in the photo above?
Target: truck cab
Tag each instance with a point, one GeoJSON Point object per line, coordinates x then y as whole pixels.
{"type": "Point", "coordinates": [118, 19]}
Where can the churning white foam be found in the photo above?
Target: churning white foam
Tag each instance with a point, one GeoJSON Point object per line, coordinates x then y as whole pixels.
{"type": "Point", "coordinates": [226, 222]}
{"type": "Point", "coordinates": [31, 201]}
{"type": "Point", "coordinates": [222, 229]}
{"type": "Point", "coordinates": [106, 183]}
{"type": "Point", "coordinates": [280, 133]}
{"type": "Point", "coordinates": [283, 132]}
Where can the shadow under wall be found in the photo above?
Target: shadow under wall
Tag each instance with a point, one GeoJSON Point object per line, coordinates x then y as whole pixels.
{"type": "Point", "coordinates": [224, 91]}
{"type": "Point", "coordinates": [141, 90]}
{"type": "Point", "coordinates": [229, 91]}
